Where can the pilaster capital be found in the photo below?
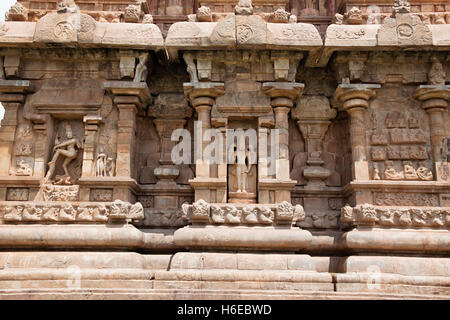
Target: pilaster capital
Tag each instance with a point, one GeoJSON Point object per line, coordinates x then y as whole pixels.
{"type": "Point", "coordinates": [91, 122]}
{"type": "Point", "coordinates": [433, 96]}
{"type": "Point", "coordinates": [13, 91]}
{"type": "Point", "coordinates": [138, 90]}
{"type": "Point", "coordinates": [279, 90]}
{"type": "Point", "coordinates": [348, 96]}
{"type": "Point", "coordinates": [203, 93]}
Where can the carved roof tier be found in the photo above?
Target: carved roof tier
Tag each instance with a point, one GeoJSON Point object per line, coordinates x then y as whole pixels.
{"type": "Point", "coordinates": [242, 31]}
{"type": "Point", "coordinates": [80, 30]}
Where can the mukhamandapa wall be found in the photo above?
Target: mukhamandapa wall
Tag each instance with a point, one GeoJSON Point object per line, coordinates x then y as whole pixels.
{"type": "Point", "coordinates": [354, 184]}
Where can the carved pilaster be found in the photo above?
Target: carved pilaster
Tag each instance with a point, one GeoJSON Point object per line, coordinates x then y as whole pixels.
{"type": "Point", "coordinates": [12, 95]}
{"type": "Point", "coordinates": [283, 95]}
{"type": "Point", "coordinates": [354, 98]}
{"type": "Point", "coordinates": [128, 97]}
{"type": "Point", "coordinates": [91, 124]}
{"type": "Point", "coordinates": [435, 102]}
{"type": "Point", "coordinates": [202, 96]}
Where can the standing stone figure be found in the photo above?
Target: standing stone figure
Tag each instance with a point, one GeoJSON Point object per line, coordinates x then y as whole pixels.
{"type": "Point", "coordinates": [100, 168]}
{"type": "Point", "coordinates": [66, 149]}
{"type": "Point", "coordinates": [104, 166]}
{"type": "Point", "coordinates": [141, 69]}
{"type": "Point", "coordinates": [243, 167]}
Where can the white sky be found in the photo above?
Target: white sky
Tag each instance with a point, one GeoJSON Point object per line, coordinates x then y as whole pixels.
{"type": "Point", "coordinates": [4, 6]}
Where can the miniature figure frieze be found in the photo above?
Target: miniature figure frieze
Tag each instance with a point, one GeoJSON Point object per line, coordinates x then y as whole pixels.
{"type": "Point", "coordinates": [369, 215]}
{"type": "Point", "coordinates": [71, 212]}
{"type": "Point", "coordinates": [408, 172]}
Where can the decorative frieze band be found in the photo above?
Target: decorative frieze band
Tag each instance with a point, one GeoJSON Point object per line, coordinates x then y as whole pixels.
{"type": "Point", "coordinates": [369, 215]}
{"type": "Point", "coordinates": [282, 213]}
{"type": "Point", "coordinates": [66, 212]}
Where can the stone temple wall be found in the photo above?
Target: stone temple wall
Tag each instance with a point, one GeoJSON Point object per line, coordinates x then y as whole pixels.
{"type": "Point", "coordinates": [236, 149]}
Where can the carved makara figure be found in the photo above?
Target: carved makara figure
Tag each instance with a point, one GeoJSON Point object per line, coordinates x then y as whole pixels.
{"type": "Point", "coordinates": [387, 217]}
{"type": "Point", "coordinates": [101, 214]}
{"type": "Point", "coordinates": [191, 67]}
{"type": "Point", "coordinates": [84, 213]}
{"type": "Point", "coordinates": [232, 215]}
{"type": "Point", "coordinates": [13, 213]}
{"type": "Point", "coordinates": [66, 149]}
{"type": "Point", "coordinates": [249, 215]}
{"type": "Point", "coordinates": [31, 212]}
{"type": "Point", "coordinates": [217, 214]}
{"type": "Point", "coordinates": [265, 215]}
{"type": "Point", "coordinates": [67, 212]}
{"type": "Point", "coordinates": [141, 69]}
{"type": "Point", "coordinates": [50, 213]}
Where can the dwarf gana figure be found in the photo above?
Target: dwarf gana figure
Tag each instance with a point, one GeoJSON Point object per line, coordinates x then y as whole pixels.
{"type": "Point", "coordinates": [66, 149]}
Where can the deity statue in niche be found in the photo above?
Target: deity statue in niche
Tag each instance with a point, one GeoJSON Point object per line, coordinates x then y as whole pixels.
{"type": "Point", "coordinates": [242, 173]}
{"type": "Point", "coordinates": [68, 150]}
{"type": "Point", "coordinates": [104, 166]}
{"type": "Point", "coordinates": [243, 166]}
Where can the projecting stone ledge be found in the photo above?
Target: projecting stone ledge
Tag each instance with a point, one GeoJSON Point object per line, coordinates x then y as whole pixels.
{"type": "Point", "coordinates": [244, 32]}
{"type": "Point", "coordinates": [264, 238]}
{"type": "Point", "coordinates": [81, 30]}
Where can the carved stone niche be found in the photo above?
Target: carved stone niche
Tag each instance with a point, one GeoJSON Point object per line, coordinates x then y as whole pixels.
{"type": "Point", "coordinates": [65, 164]}
{"type": "Point", "coordinates": [170, 112]}
{"type": "Point", "coordinates": [314, 114]}
{"type": "Point", "coordinates": [242, 173]}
